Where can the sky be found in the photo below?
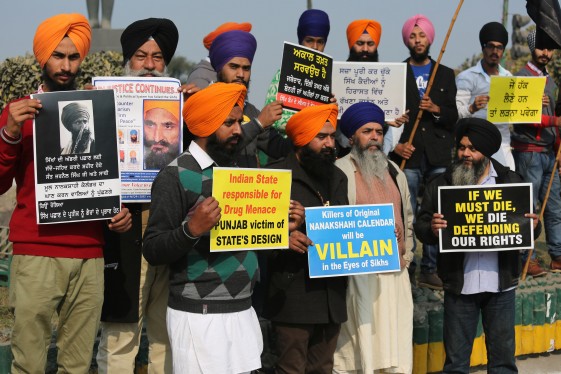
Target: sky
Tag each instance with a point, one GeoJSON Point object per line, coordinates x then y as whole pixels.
{"type": "Point", "coordinates": [273, 23]}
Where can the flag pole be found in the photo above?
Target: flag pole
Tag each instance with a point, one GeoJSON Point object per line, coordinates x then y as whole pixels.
{"type": "Point", "coordinates": [429, 85]}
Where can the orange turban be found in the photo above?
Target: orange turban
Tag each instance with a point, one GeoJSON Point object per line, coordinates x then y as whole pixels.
{"type": "Point", "coordinates": [205, 111]}
{"type": "Point", "coordinates": [307, 123]}
{"type": "Point", "coordinates": [51, 32]}
{"type": "Point", "coordinates": [228, 26]}
{"type": "Point", "coordinates": [358, 27]}
{"type": "Point", "coordinates": [171, 106]}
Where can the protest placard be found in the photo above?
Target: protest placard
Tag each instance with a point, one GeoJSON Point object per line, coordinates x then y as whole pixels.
{"type": "Point", "coordinates": [357, 239]}
{"type": "Point", "coordinates": [305, 77]}
{"type": "Point", "coordinates": [377, 82]}
{"type": "Point", "coordinates": [76, 162]}
{"type": "Point", "coordinates": [255, 204]}
{"type": "Point", "coordinates": [515, 99]}
{"type": "Point", "coordinates": [486, 218]}
{"type": "Point", "coordinates": [149, 125]}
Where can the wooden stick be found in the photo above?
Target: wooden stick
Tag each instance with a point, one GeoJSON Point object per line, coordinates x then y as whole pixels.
{"type": "Point", "coordinates": [429, 86]}
{"type": "Point", "coordinates": [542, 210]}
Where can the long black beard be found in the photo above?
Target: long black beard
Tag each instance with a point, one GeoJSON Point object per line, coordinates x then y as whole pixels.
{"type": "Point", "coordinates": [463, 175]}
{"type": "Point", "coordinates": [318, 165]}
{"type": "Point", "coordinates": [419, 57]}
{"type": "Point", "coordinates": [220, 78]}
{"type": "Point", "coordinates": [363, 56]}
{"type": "Point", "coordinates": [372, 164]}
{"type": "Point", "coordinates": [52, 86]}
{"type": "Point", "coordinates": [220, 154]}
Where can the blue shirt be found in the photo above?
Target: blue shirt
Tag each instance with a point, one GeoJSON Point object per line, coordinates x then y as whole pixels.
{"type": "Point", "coordinates": [422, 76]}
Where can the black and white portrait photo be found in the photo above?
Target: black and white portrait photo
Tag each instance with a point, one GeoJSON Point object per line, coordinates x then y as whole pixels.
{"type": "Point", "coordinates": [77, 134]}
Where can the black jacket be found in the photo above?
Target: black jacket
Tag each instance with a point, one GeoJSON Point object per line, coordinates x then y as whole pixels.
{"type": "Point", "coordinates": [451, 265]}
{"type": "Point", "coordinates": [293, 297]}
{"type": "Point", "coordinates": [434, 138]}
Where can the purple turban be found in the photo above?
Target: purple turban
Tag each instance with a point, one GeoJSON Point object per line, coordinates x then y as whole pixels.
{"type": "Point", "coordinates": [418, 20]}
{"type": "Point", "coordinates": [313, 22]}
{"type": "Point", "coordinates": [231, 44]}
{"type": "Point", "coordinates": [358, 115]}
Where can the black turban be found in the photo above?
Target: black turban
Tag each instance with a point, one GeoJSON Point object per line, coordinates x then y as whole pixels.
{"type": "Point", "coordinates": [493, 32]}
{"type": "Point", "coordinates": [72, 112]}
{"type": "Point", "coordinates": [485, 136]}
{"type": "Point", "coordinates": [137, 33]}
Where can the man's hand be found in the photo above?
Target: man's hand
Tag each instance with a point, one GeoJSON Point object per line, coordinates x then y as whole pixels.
{"type": "Point", "coordinates": [21, 111]}
{"type": "Point", "coordinates": [121, 222]}
{"type": "Point", "coordinates": [437, 223]}
{"type": "Point", "coordinates": [534, 218]}
{"type": "Point", "coordinates": [270, 114]}
{"type": "Point", "coordinates": [296, 215]}
{"type": "Point", "coordinates": [545, 100]}
{"type": "Point", "coordinates": [207, 214]}
{"type": "Point", "coordinates": [427, 105]}
{"type": "Point", "coordinates": [188, 90]}
{"type": "Point", "coordinates": [401, 120]}
{"type": "Point", "coordinates": [480, 102]}
{"type": "Point", "coordinates": [404, 150]}
{"type": "Point", "coordinates": [299, 242]}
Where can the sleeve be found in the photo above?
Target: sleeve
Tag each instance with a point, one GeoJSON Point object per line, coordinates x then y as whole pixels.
{"type": "Point", "coordinates": [448, 109]}
{"type": "Point", "coordinates": [271, 96]}
{"type": "Point", "coordinates": [463, 95]}
{"type": "Point", "coordinates": [273, 144]}
{"type": "Point", "coordinates": [10, 155]}
{"type": "Point", "coordinates": [408, 222]}
{"type": "Point", "coordinates": [164, 239]}
{"type": "Point", "coordinates": [422, 224]}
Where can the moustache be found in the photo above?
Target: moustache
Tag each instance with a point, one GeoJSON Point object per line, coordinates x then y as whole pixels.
{"type": "Point", "coordinates": [151, 143]}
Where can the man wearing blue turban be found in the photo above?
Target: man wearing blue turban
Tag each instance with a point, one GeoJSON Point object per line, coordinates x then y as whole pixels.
{"type": "Point", "coordinates": [231, 55]}
{"type": "Point", "coordinates": [373, 179]}
{"type": "Point", "coordinates": [313, 30]}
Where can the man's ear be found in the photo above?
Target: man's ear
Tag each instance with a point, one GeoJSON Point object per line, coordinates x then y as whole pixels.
{"type": "Point", "coordinates": [351, 140]}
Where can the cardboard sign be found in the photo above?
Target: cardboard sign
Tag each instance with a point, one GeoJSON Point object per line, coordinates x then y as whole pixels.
{"type": "Point", "coordinates": [515, 99]}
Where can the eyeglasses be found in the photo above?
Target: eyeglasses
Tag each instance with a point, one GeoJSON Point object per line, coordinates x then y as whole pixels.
{"type": "Point", "coordinates": [491, 47]}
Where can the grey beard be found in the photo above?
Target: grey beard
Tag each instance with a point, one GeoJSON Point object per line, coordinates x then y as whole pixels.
{"type": "Point", "coordinates": [463, 175]}
{"type": "Point", "coordinates": [128, 72]}
{"type": "Point", "coordinates": [370, 164]}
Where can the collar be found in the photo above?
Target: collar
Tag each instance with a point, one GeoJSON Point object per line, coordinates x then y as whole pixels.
{"type": "Point", "coordinates": [202, 158]}
{"type": "Point", "coordinates": [491, 176]}
{"type": "Point", "coordinates": [40, 90]}
{"type": "Point", "coordinates": [479, 69]}
{"type": "Point", "coordinates": [536, 71]}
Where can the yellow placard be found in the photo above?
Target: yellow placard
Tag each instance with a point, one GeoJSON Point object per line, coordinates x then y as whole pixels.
{"type": "Point", "coordinates": [515, 99]}
{"type": "Point", "coordinates": [255, 204]}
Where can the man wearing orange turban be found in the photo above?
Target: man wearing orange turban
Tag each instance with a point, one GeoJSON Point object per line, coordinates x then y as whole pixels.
{"type": "Point", "coordinates": [209, 292]}
{"type": "Point", "coordinates": [307, 313]}
{"type": "Point", "coordinates": [59, 267]}
{"type": "Point", "coordinates": [203, 73]}
{"type": "Point", "coordinates": [363, 37]}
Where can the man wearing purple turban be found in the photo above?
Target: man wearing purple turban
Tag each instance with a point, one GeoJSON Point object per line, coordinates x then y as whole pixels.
{"type": "Point", "coordinates": [231, 55]}
{"type": "Point", "coordinates": [431, 150]}
{"type": "Point", "coordinates": [313, 30]}
{"type": "Point", "coordinates": [376, 337]}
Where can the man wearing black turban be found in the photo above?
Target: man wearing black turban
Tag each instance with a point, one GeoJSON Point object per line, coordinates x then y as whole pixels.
{"type": "Point", "coordinates": [474, 83]}
{"type": "Point", "coordinates": [134, 290]}
{"type": "Point", "coordinates": [75, 117]}
{"type": "Point", "coordinates": [474, 282]}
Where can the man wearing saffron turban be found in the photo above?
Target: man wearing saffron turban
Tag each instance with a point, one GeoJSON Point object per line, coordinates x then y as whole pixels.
{"type": "Point", "coordinates": [59, 267]}
{"type": "Point", "coordinates": [307, 313]}
{"type": "Point", "coordinates": [430, 152]}
{"type": "Point", "coordinates": [377, 336]}
{"type": "Point", "coordinates": [363, 37]}
{"type": "Point", "coordinates": [209, 292]}
{"type": "Point", "coordinates": [231, 55]}
{"type": "Point", "coordinates": [203, 73]}
{"type": "Point", "coordinates": [136, 293]}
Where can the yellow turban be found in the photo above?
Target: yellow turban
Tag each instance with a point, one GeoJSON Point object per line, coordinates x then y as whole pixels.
{"type": "Point", "coordinates": [171, 106]}
{"type": "Point", "coordinates": [51, 32]}
{"type": "Point", "coordinates": [358, 27]}
{"type": "Point", "coordinates": [307, 123]}
{"type": "Point", "coordinates": [228, 26]}
{"type": "Point", "coordinates": [205, 111]}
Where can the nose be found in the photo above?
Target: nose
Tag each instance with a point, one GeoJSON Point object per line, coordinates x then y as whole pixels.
{"type": "Point", "coordinates": [149, 63]}
{"type": "Point", "coordinates": [65, 64]}
{"type": "Point", "coordinates": [329, 142]}
{"type": "Point", "coordinates": [158, 133]}
{"type": "Point", "coordinates": [237, 128]}
{"type": "Point", "coordinates": [364, 48]}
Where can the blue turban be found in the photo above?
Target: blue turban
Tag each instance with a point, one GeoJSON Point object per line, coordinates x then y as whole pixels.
{"type": "Point", "coordinates": [313, 22]}
{"type": "Point", "coordinates": [358, 115]}
{"type": "Point", "coordinates": [231, 44]}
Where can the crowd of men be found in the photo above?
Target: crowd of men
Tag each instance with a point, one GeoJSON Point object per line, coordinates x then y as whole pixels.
{"type": "Point", "coordinates": [199, 308]}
